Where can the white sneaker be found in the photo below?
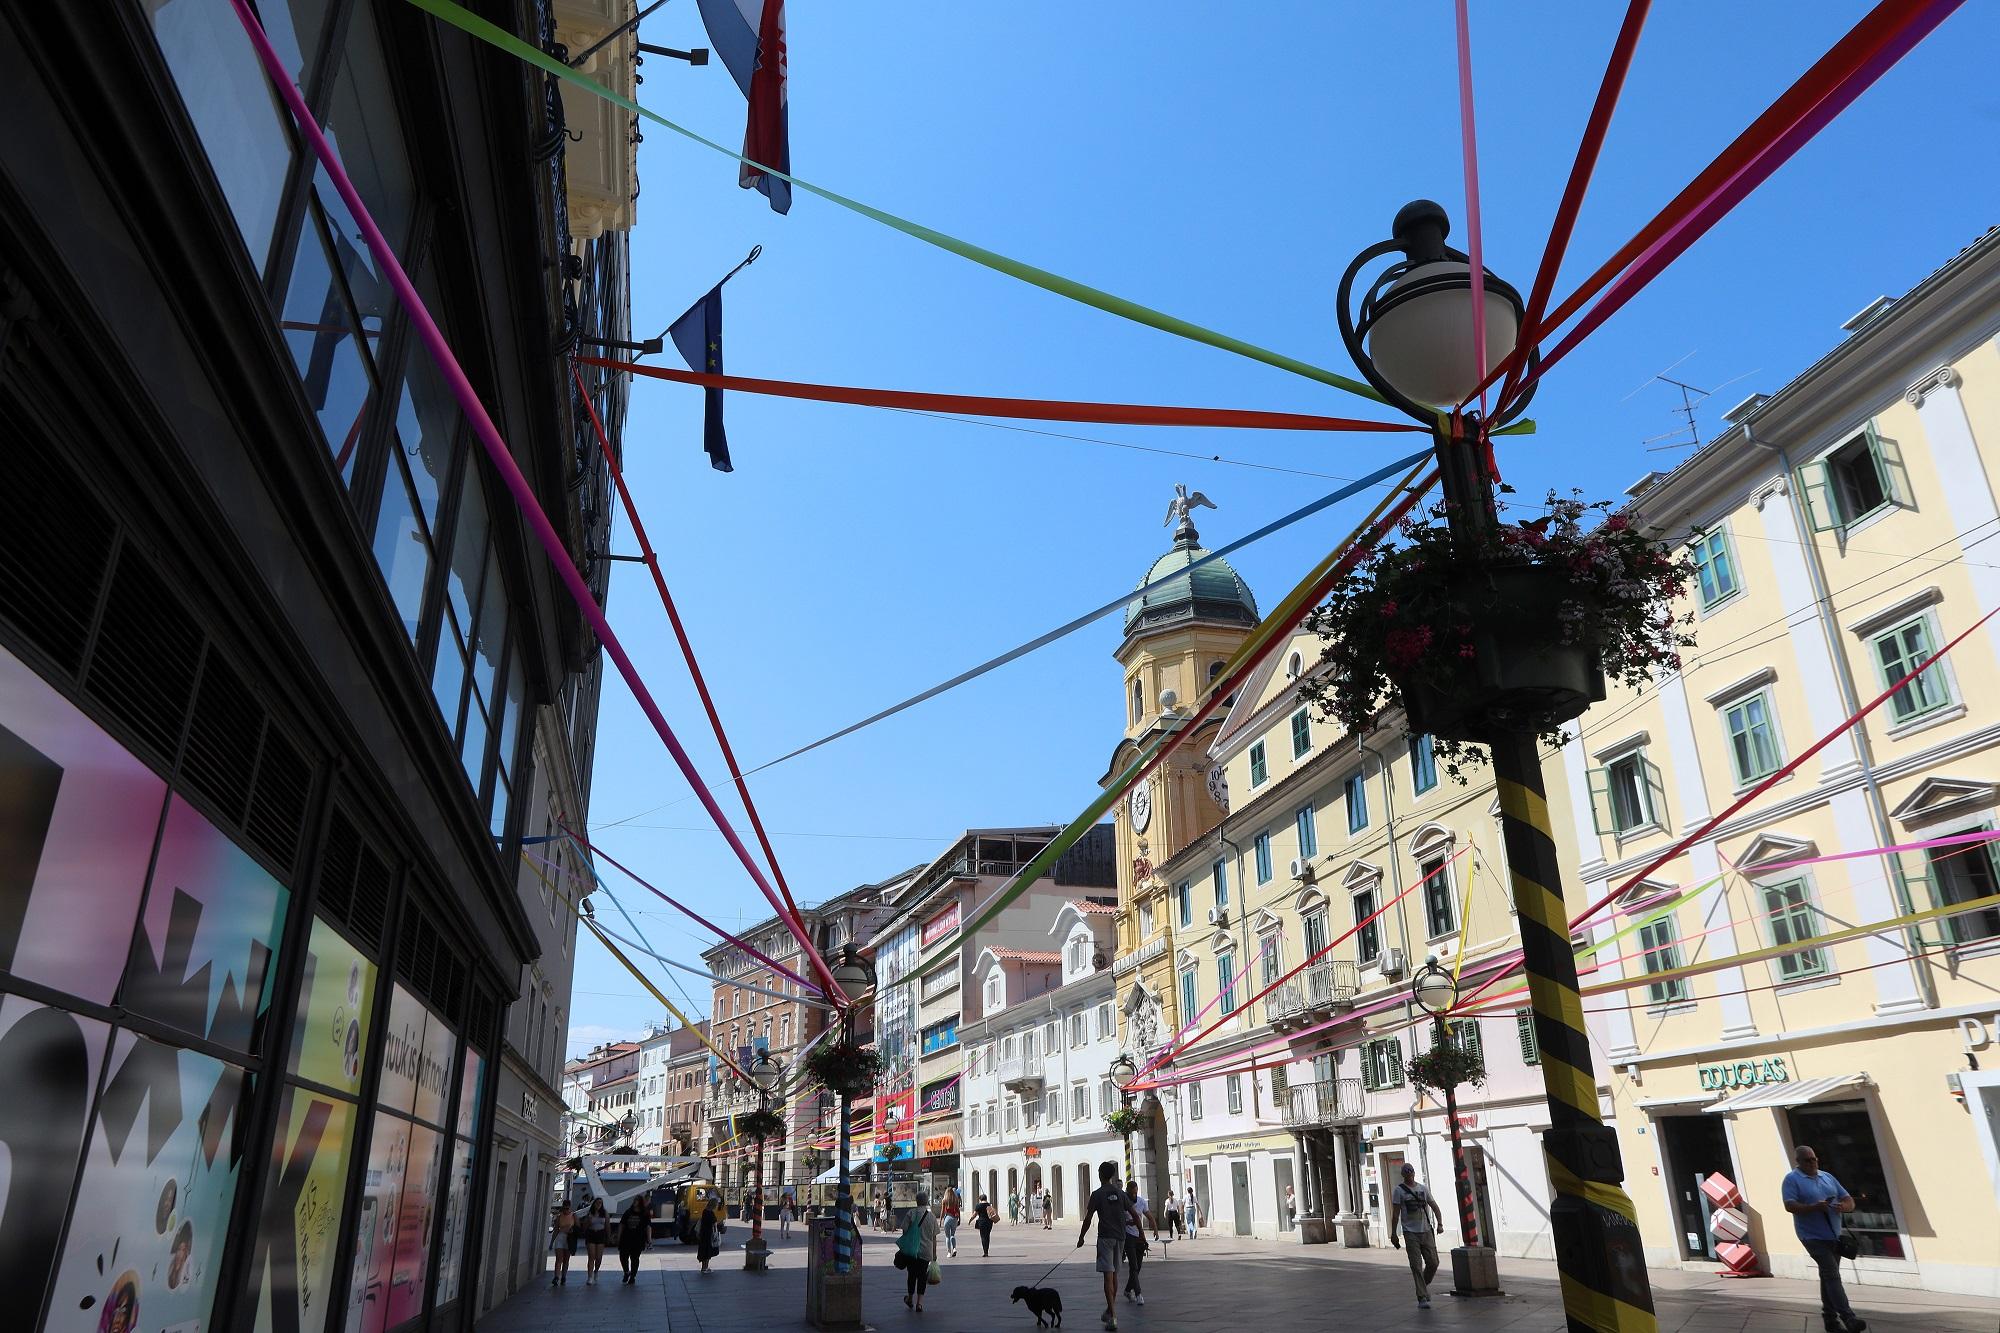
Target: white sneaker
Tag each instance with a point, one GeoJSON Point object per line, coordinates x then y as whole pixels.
{"type": "Point", "coordinates": [1140, 1297]}
{"type": "Point", "coordinates": [1423, 1305]}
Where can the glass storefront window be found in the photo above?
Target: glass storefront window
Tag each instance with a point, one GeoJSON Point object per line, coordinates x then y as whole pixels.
{"type": "Point", "coordinates": [50, 1060]}
{"type": "Point", "coordinates": [1844, 1137]}
{"type": "Point", "coordinates": [335, 1013]}
{"type": "Point", "coordinates": [402, 545]}
{"type": "Point", "coordinates": [363, 124]}
{"type": "Point", "coordinates": [319, 330]}
{"type": "Point", "coordinates": [304, 1198]}
{"type": "Point", "coordinates": [375, 1227]}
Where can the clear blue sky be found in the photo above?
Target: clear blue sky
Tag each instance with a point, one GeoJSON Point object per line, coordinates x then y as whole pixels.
{"type": "Point", "coordinates": [1224, 172]}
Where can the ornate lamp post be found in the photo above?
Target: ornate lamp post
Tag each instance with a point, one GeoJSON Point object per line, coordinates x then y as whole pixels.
{"type": "Point", "coordinates": [767, 1071]}
{"type": "Point", "coordinates": [854, 974]}
{"type": "Point", "coordinates": [1413, 341]}
{"type": "Point", "coordinates": [1123, 1070]}
{"type": "Point", "coordinates": [1436, 993]}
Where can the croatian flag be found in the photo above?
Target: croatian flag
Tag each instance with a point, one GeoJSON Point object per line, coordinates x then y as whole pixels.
{"type": "Point", "coordinates": [749, 35]}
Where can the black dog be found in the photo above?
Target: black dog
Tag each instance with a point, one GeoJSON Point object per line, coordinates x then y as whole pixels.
{"type": "Point", "coordinates": [1042, 1301]}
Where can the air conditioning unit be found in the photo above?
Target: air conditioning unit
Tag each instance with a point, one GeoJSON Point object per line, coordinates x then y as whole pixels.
{"type": "Point", "coordinates": [1218, 916]}
{"type": "Point", "coordinates": [1303, 869]}
{"type": "Point", "coordinates": [1392, 963]}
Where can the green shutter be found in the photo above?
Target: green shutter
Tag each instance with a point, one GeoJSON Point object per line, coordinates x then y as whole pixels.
{"type": "Point", "coordinates": [1889, 469]}
{"type": "Point", "coordinates": [1600, 801]}
{"type": "Point", "coordinates": [1656, 790]}
{"type": "Point", "coordinates": [1392, 1050]}
{"type": "Point", "coordinates": [1524, 1030]}
{"type": "Point", "coordinates": [1822, 508]}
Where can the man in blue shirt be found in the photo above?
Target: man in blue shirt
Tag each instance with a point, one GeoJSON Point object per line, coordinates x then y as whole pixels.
{"type": "Point", "coordinates": [1816, 1201]}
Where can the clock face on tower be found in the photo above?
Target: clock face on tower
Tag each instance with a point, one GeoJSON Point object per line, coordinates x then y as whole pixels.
{"type": "Point", "coordinates": [1141, 805]}
{"type": "Point", "coordinates": [1218, 786]}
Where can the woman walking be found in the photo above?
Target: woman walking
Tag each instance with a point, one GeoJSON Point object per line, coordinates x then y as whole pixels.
{"type": "Point", "coordinates": [916, 1251]}
{"type": "Point", "coordinates": [596, 1231]}
{"type": "Point", "coordinates": [1013, 1207]}
{"type": "Point", "coordinates": [562, 1242]}
{"type": "Point", "coordinates": [950, 1210]}
{"type": "Point", "coordinates": [635, 1233]}
{"type": "Point", "coordinates": [705, 1246]}
{"type": "Point", "coordinates": [786, 1208]}
{"type": "Point", "coordinates": [983, 1218]}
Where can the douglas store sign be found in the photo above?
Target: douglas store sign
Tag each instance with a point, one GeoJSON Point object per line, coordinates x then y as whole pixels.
{"type": "Point", "coordinates": [1743, 1074]}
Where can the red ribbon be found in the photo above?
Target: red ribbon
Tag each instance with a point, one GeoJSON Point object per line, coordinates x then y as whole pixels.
{"type": "Point", "coordinates": [1029, 409]}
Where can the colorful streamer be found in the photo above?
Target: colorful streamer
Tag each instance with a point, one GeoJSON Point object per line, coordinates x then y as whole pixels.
{"type": "Point", "coordinates": [1122, 600]}
{"type": "Point", "coordinates": [645, 981]}
{"type": "Point", "coordinates": [497, 452]}
{"type": "Point", "coordinates": [474, 26]}
{"type": "Point", "coordinates": [1025, 409]}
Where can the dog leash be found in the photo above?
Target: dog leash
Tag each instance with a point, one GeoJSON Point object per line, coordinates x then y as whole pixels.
{"type": "Point", "coordinates": [1053, 1267]}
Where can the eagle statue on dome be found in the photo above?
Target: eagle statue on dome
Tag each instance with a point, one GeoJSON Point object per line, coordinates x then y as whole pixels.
{"type": "Point", "coordinates": [1184, 504]}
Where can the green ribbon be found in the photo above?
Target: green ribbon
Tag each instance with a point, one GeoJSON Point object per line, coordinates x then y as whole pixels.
{"type": "Point", "coordinates": [474, 26]}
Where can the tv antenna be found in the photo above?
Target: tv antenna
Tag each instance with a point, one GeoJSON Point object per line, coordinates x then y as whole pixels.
{"type": "Point", "coordinates": [1688, 434]}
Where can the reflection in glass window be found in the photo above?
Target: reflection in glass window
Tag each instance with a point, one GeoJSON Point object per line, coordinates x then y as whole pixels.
{"type": "Point", "coordinates": [402, 545]}
{"type": "Point", "coordinates": [319, 329]}
{"type": "Point", "coordinates": [363, 124]}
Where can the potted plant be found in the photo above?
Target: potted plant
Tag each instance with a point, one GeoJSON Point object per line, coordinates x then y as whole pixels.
{"type": "Point", "coordinates": [1444, 1066]}
{"type": "Point", "coordinates": [1513, 628]}
{"type": "Point", "coordinates": [844, 1067]}
{"type": "Point", "coordinates": [1123, 1121]}
{"type": "Point", "coordinates": [761, 1124]}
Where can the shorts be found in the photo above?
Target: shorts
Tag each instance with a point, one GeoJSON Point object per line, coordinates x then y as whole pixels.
{"type": "Point", "coordinates": [1110, 1249]}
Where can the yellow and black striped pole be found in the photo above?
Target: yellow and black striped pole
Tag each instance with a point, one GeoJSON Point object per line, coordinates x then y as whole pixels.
{"type": "Point", "coordinates": [1596, 1231]}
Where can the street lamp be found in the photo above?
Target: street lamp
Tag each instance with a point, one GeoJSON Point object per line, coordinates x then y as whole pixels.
{"type": "Point", "coordinates": [853, 974]}
{"type": "Point", "coordinates": [767, 1071]}
{"type": "Point", "coordinates": [1123, 1071]}
{"type": "Point", "coordinates": [1413, 341]}
{"type": "Point", "coordinates": [1436, 992]}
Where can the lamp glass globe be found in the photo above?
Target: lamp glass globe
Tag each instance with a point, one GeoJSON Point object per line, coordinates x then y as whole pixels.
{"type": "Point", "coordinates": [1421, 339]}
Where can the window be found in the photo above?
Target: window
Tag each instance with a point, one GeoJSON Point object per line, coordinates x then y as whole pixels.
{"type": "Point", "coordinates": [1789, 909]}
{"type": "Point", "coordinates": [1107, 1097]}
{"type": "Point", "coordinates": [1219, 875]}
{"type": "Point", "coordinates": [1232, 1088]}
{"type": "Point", "coordinates": [1357, 801]}
{"type": "Point", "coordinates": [1423, 765]}
{"type": "Point", "coordinates": [1052, 1037]}
{"type": "Point", "coordinates": [1013, 1115]}
{"type": "Point", "coordinates": [1263, 850]}
{"type": "Point", "coordinates": [940, 1035]}
{"type": "Point", "coordinates": [1079, 1102]}
{"type": "Point", "coordinates": [1714, 567]}
{"type": "Point", "coordinates": [1194, 1101]}
{"type": "Point", "coordinates": [1138, 700]}
{"type": "Point", "coordinates": [1308, 834]}
{"type": "Point", "coordinates": [1854, 481]}
{"type": "Point", "coordinates": [1189, 1008]}
{"type": "Point", "coordinates": [1259, 770]}
{"type": "Point", "coordinates": [1463, 1033]}
{"type": "Point", "coordinates": [996, 991]}
{"type": "Point", "coordinates": [1382, 1064]}
{"type": "Point", "coordinates": [1843, 1132]}
{"type": "Point", "coordinates": [1368, 938]}
{"type": "Point", "coordinates": [1272, 952]}
{"type": "Point", "coordinates": [1524, 1032]}
{"type": "Point", "coordinates": [1661, 943]}
{"type": "Point", "coordinates": [1626, 794]}
{"type": "Point", "coordinates": [1901, 651]}
{"type": "Point", "coordinates": [1079, 954]}
{"type": "Point", "coordinates": [1107, 1022]}
{"type": "Point", "coordinates": [1146, 921]}
{"type": "Point", "coordinates": [1078, 1024]}
{"type": "Point", "coordinates": [1225, 981]}
{"type": "Point", "coordinates": [1184, 897]}
{"type": "Point", "coordinates": [1052, 1107]}
{"type": "Point", "coordinates": [1315, 932]}
{"type": "Point", "coordinates": [1302, 733]}
{"type": "Point", "coordinates": [1753, 737]}
{"type": "Point", "coordinates": [1439, 918]}
{"type": "Point", "coordinates": [1957, 875]}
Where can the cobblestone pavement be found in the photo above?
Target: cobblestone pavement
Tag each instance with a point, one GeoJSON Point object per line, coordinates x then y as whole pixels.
{"type": "Point", "coordinates": [1214, 1283]}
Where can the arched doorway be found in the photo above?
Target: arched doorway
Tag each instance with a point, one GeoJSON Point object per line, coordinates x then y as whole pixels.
{"type": "Point", "coordinates": [993, 1188]}
{"type": "Point", "coordinates": [1156, 1181]}
{"type": "Point", "coordinates": [1031, 1198]}
{"type": "Point", "coordinates": [1056, 1183]}
{"type": "Point", "coordinates": [1013, 1194]}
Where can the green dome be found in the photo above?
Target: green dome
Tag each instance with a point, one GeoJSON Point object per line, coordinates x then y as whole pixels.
{"type": "Point", "coordinates": [1215, 592]}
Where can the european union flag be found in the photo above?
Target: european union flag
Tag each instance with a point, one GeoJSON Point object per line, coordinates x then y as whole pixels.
{"type": "Point", "coordinates": [697, 336]}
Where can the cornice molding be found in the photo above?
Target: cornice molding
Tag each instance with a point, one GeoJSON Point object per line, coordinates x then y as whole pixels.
{"type": "Point", "coordinates": [1944, 377]}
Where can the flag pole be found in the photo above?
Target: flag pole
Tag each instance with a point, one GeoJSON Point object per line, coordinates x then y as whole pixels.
{"type": "Point", "coordinates": [748, 260]}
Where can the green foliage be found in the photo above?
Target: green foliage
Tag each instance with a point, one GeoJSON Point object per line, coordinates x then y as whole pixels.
{"type": "Point", "coordinates": [760, 1125]}
{"type": "Point", "coordinates": [1123, 1121]}
{"type": "Point", "coordinates": [844, 1068]}
{"type": "Point", "coordinates": [1446, 1066]}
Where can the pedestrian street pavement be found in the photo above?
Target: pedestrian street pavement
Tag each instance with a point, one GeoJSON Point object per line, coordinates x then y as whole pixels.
{"type": "Point", "coordinates": [1214, 1283]}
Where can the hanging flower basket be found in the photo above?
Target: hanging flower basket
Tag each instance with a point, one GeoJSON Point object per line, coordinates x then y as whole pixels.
{"type": "Point", "coordinates": [1510, 631]}
{"type": "Point", "coordinates": [1123, 1121]}
{"type": "Point", "coordinates": [1446, 1066]}
{"type": "Point", "coordinates": [760, 1125]}
{"type": "Point", "coordinates": [846, 1069]}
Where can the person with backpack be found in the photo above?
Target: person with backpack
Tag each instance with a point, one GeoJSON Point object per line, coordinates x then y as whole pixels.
{"type": "Point", "coordinates": [916, 1251]}
{"type": "Point", "coordinates": [984, 1215]}
{"type": "Point", "coordinates": [1111, 1208]}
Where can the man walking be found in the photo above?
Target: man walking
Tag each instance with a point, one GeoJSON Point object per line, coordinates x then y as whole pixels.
{"type": "Point", "coordinates": [1415, 1232]}
{"type": "Point", "coordinates": [1816, 1201]}
{"type": "Point", "coordinates": [1112, 1209]}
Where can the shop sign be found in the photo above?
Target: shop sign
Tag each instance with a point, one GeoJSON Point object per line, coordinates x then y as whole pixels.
{"type": "Point", "coordinates": [1468, 1122]}
{"type": "Point", "coordinates": [1973, 1034]}
{"type": "Point", "coordinates": [1743, 1074]}
{"type": "Point", "coordinates": [937, 1145]}
{"type": "Point", "coordinates": [1032, 1150]}
{"type": "Point", "coordinates": [940, 925]}
{"type": "Point", "coordinates": [1263, 1143]}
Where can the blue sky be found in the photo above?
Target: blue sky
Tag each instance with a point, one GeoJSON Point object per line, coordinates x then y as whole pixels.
{"type": "Point", "coordinates": [1224, 172]}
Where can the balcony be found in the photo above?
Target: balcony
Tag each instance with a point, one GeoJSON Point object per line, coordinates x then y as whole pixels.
{"type": "Point", "coordinates": [1285, 1007]}
{"type": "Point", "coordinates": [1021, 1073]}
{"type": "Point", "coordinates": [1330, 987]}
{"type": "Point", "coordinates": [1333, 1101]}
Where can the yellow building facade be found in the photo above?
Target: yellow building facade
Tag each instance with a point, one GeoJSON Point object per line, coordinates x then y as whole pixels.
{"type": "Point", "coordinates": [1843, 530]}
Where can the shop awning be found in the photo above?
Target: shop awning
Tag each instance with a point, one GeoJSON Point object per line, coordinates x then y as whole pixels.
{"type": "Point", "coordinates": [1767, 1096]}
{"type": "Point", "coordinates": [832, 1173]}
{"type": "Point", "coordinates": [1656, 1104]}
